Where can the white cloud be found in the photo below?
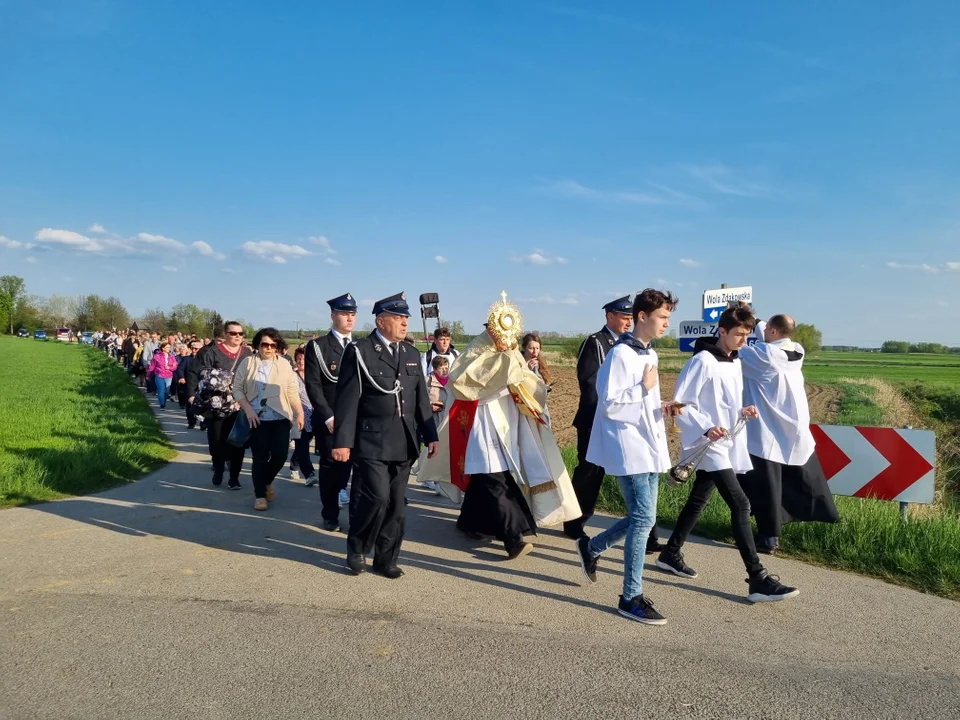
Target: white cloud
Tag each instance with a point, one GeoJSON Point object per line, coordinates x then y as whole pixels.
{"type": "Point", "coordinates": [725, 181]}
{"type": "Point", "coordinates": [331, 261]}
{"type": "Point", "coordinates": [326, 247]}
{"type": "Point", "coordinates": [946, 267]}
{"type": "Point", "coordinates": [273, 252]}
{"type": "Point", "coordinates": [440, 259]}
{"type": "Point", "coordinates": [690, 263]}
{"type": "Point", "coordinates": [227, 270]}
{"type": "Point", "coordinates": [169, 268]}
{"type": "Point", "coordinates": [141, 244]}
{"type": "Point", "coordinates": [548, 299]}
{"type": "Point", "coordinates": [656, 194]}
{"type": "Point", "coordinates": [31, 259]}
{"type": "Point", "coordinates": [98, 229]}
{"type": "Point", "coordinates": [204, 249]}
{"type": "Point", "coordinates": [8, 243]}
{"type": "Point", "coordinates": [540, 256]}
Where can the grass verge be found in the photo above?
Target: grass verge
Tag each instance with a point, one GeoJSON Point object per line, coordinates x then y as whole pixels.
{"type": "Point", "coordinates": [71, 423]}
{"type": "Point", "coordinates": [871, 538]}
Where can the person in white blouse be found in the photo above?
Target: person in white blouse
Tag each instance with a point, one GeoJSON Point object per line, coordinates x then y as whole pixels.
{"type": "Point", "coordinates": [711, 388]}
{"type": "Point", "coordinates": [786, 483]}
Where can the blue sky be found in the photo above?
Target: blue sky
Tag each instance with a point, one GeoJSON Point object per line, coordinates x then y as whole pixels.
{"type": "Point", "coordinates": [260, 158]}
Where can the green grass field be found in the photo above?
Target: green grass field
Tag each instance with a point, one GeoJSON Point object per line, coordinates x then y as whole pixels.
{"type": "Point", "coordinates": [831, 366]}
{"type": "Point", "coordinates": [71, 422]}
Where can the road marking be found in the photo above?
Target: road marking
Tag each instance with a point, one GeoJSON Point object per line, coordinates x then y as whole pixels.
{"type": "Point", "coordinates": [53, 585]}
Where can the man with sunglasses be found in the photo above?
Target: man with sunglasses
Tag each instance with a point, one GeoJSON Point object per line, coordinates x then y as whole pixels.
{"type": "Point", "coordinates": [223, 355]}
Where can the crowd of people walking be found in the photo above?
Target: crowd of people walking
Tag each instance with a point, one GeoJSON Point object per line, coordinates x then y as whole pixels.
{"type": "Point", "coordinates": [476, 423]}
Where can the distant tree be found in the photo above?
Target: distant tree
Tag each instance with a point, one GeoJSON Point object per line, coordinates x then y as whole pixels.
{"type": "Point", "coordinates": [188, 319]}
{"type": "Point", "coordinates": [214, 323]}
{"type": "Point", "coordinates": [16, 288]}
{"type": "Point", "coordinates": [154, 320]}
{"type": "Point", "coordinates": [570, 346]}
{"type": "Point", "coordinates": [667, 342]}
{"type": "Point", "coordinates": [895, 346]}
{"type": "Point", "coordinates": [114, 314]}
{"type": "Point", "coordinates": [809, 337]}
{"type": "Point", "coordinates": [457, 331]}
{"type": "Point", "coordinates": [6, 310]}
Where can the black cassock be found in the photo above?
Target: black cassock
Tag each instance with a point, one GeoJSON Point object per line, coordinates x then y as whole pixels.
{"type": "Point", "coordinates": [781, 494]}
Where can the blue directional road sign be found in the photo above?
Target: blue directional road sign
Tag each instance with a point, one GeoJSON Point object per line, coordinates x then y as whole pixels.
{"type": "Point", "coordinates": [693, 330]}
{"type": "Point", "coordinates": [716, 301]}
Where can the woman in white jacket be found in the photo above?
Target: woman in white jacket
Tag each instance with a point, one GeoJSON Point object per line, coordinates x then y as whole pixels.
{"type": "Point", "coordinates": [711, 388]}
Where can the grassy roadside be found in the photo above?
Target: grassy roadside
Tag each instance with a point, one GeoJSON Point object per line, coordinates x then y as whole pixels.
{"type": "Point", "coordinates": [71, 423]}
{"type": "Point", "coordinates": [871, 538]}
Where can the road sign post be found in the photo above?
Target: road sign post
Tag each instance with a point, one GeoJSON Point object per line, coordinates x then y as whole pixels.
{"type": "Point", "coordinates": [693, 330]}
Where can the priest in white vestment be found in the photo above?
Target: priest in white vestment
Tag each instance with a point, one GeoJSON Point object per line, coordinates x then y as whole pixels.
{"type": "Point", "coordinates": [497, 453]}
{"type": "Point", "coordinates": [786, 483]}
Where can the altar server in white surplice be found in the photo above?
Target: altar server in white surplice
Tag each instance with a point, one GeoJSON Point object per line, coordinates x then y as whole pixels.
{"type": "Point", "coordinates": [711, 388]}
{"type": "Point", "coordinates": [786, 483]}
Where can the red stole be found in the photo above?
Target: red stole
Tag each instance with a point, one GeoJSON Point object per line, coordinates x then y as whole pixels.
{"type": "Point", "coordinates": [462, 414]}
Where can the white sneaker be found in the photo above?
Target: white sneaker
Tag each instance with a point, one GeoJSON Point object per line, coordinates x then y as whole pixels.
{"type": "Point", "coordinates": [344, 499]}
{"type": "Point", "coordinates": [310, 481]}
{"type": "Point", "coordinates": [432, 486]}
{"type": "Point", "coordinates": [295, 475]}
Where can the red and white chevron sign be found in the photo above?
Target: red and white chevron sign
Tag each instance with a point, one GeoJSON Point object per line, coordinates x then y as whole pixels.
{"type": "Point", "coordinates": [882, 463]}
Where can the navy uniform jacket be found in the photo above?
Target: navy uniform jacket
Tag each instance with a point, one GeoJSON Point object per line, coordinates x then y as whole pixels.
{"type": "Point", "coordinates": [365, 419]}
{"type": "Point", "coordinates": [592, 354]}
{"type": "Point", "coordinates": [321, 389]}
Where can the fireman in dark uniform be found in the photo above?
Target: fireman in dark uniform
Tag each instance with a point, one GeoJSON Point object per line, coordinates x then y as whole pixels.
{"type": "Point", "coordinates": [381, 405]}
{"type": "Point", "coordinates": [321, 373]}
{"type": "Point", "coordinates": [587, 478]}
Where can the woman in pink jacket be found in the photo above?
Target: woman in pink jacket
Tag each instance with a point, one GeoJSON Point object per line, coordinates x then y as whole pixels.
{"type": "Point", "coordinates": [161, 368]}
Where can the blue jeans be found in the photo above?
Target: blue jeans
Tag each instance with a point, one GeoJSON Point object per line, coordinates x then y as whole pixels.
{"type": "Point", "coordinates": [640, 493]}
{"type": "Point", "coordinates": [163, 389]}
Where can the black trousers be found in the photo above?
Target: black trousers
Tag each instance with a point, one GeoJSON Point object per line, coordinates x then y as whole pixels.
{"type": "Point", "coordinates": [727, 484]}
{"type": "Point", "coordinates": [494, 505]}
{"type": "Point", "coordinates": [269, 443]}
{"type": "Point", "coordinates": [300, 460]}
{"type": "Point", "coordinates": [332, 477]}
{"type": "Point", "coordinates": [377, 510]}
{"type": "Point", "coordinates": [218, 430]}
{"type": "Point", "coordinates": [587, 481]}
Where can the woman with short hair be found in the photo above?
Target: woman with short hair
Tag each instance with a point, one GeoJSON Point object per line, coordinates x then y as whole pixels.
{"type": "Point", "coordinates": [266, 388]}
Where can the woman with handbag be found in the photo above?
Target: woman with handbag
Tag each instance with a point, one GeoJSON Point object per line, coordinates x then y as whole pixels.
{"type": "Point", "coordinates": [266, 388]}
{"type": "Point", "coordinates": [210, 390]}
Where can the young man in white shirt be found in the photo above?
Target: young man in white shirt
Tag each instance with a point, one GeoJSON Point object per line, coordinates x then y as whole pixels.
{"type": "Point", "coordinates": [628, 440]}
{"type": "Point", "coordinates": [786, 483]}
{"type": "Point", "coordinates": [710, 386]}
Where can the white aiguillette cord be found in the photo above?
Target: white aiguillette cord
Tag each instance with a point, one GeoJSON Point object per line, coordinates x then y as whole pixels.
{"type": "Point", "coordinates": [323, 364]}
{"type": "Point", "coordinates": [396, 388]}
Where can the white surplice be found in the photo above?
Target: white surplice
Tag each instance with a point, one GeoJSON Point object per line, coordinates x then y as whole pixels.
{"type": "Point", "coordinates": [713, 393]}
{"type": "Point", "coordinates": [628, 435]}
{"type": "Point", "coordinates": [773, 381]}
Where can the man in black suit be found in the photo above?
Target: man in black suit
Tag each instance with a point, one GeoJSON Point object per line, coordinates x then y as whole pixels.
{"type": "Point", "coordinates": [321, 375]}
{"type": "Point", "coordinates": [381, 404]}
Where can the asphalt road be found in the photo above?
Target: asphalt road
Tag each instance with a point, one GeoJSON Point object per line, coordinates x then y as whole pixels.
{"type": "Point", "coordinates": [168, 598]}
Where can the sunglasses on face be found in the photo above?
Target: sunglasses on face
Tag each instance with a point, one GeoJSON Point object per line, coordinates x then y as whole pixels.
{"type": "Point", "coordinates": [268, 345]}
{"type": "Point", "coordinates": [235, 333]}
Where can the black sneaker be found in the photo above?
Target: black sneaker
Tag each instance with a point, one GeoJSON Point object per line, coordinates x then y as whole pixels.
{"type": "Point", "coordinates": [765, 587]}
{"type": "Point", "coordinates": [234, 484]}
{"type": "Point", "coordinates": [588, 563]}
{"type": "Point", "coordinates": [673, 563]}
{"type": "Point", "coordinates": [641, 610]}
{"type": "Point", "coordinates": [217, 478]}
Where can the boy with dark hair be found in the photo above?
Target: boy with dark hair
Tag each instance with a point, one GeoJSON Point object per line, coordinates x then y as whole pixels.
{"type": "Point", "coordinates": [711, 388]}
{"type": "Point", "coordinates": [628, 439]}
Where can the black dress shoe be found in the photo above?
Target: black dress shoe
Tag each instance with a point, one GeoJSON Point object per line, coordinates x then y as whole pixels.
{"type": "Point", "coordinates": [217, 478]}
{"type": "Point", "coordinates": [357, 564]}
{"type": "Point", "coordinates": [330, 526]}
{"type": "Point", "coordinates": [392, 571]}
{"type": "Point", "coordinates": [655, 546]}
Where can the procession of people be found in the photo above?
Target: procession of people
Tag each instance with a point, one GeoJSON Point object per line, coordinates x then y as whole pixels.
{"type": "Point", "coordinates": [475, 426]}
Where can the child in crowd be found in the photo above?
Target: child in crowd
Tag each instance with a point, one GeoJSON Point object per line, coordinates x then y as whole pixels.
{"type": "Point", "coordinates": [437, 390]}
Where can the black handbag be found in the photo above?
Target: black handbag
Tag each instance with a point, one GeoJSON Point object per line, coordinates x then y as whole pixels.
{"type": "Point", "coordinates": [240, 432]}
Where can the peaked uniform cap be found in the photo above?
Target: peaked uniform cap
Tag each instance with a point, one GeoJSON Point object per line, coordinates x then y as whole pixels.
{"type": "Point", "coordinates": [623, 305]}
{"type": "Point", "coordinates": [344, 303]}
{"type": "Point", "coordinates": [395, 305]}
